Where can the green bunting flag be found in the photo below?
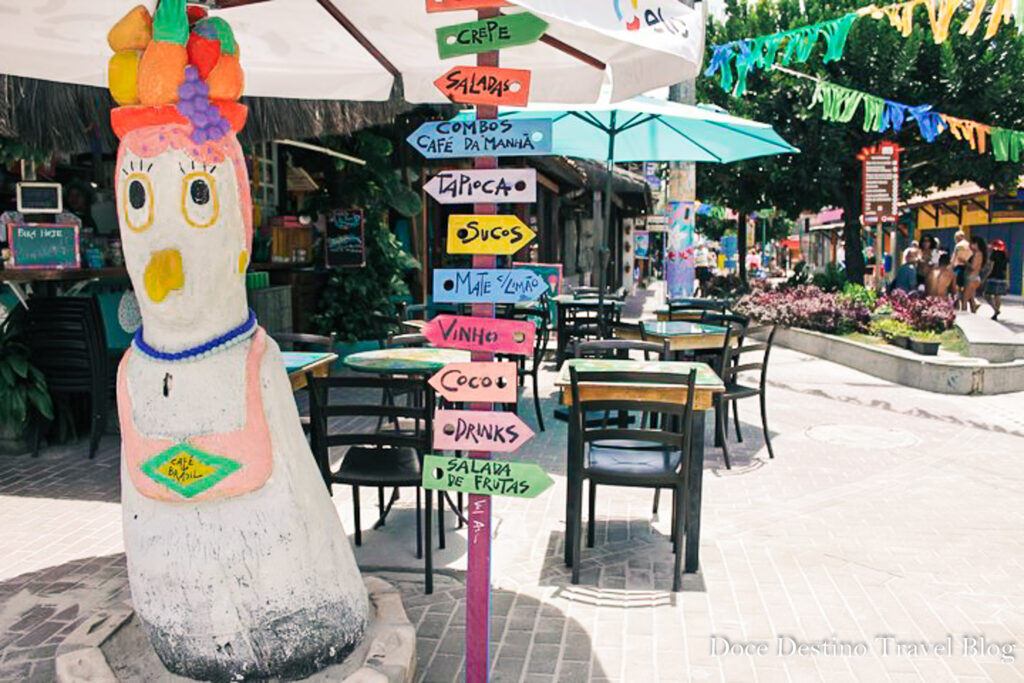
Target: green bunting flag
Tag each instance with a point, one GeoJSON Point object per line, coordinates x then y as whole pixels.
{"type": "Point", "coordinates": [763, 52]}
{"type": "Point", "coordinates": [840, 104]}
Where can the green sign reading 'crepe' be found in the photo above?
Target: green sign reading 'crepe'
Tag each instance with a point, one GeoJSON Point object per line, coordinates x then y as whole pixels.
{"type": "Point", "coordinates": [484, 477]}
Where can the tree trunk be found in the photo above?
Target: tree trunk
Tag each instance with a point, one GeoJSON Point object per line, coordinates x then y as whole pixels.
{"type": "Point", "coordinates": [853, 245]}
{"type": "Point", "coordinates": [741, 246]}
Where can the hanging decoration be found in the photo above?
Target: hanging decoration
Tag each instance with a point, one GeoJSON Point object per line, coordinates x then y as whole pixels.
{"type": "Point", "coordinates": [762, 52]}
{"type": "Point", "coordinates": [839, 105]}
{"type": "Point", "coordinates": [735, 60]}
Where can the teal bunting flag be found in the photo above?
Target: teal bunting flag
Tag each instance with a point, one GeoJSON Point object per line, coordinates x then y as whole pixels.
{"type": "Point", "coordinates": [762, 52]}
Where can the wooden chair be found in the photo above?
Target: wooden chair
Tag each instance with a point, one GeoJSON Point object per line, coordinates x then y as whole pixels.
{"type": "Point", "coordinates": [595, 456]}
{"type": "Point", "coordinates": [384, 459]}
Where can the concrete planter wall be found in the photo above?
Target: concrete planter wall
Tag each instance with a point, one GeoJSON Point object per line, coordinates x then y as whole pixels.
{"type": "Point", "coordinates": [967, 376]}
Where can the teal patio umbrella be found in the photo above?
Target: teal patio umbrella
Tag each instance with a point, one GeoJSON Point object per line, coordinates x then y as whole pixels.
{"type": "Point", "coordinates": [650, 129]}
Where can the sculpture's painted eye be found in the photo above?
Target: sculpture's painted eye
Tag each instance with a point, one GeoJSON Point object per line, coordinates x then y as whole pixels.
{"type": "Point", "coordinates": [137, 201]}
{"type": "Point", "coordinates": [199, 202]}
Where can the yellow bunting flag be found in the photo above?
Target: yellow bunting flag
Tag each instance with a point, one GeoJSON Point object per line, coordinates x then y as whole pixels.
{"type": "Point", "coordinates": [972, 132]}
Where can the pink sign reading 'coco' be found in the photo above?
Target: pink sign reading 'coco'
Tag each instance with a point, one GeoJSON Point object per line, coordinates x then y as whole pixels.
{"type": "Point", "coordinates": [481, 334]}
{"type": "Point", "coordinates": [490, 382]}
{"type": "Point", "coordinates": [478, 430]}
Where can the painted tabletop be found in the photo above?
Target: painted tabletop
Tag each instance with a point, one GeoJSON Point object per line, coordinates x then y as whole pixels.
{"type": "Point", "coordinates": [706, 377]}
{"type": "Point", "coordinates": [405, 360]}
{"type": "Point", "coordinates": [298, 360]}
{"type": "Point", "coordinates": [680, 328]}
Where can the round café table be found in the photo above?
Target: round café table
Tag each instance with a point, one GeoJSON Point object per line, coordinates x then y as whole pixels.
{"type": "Point", "coordinates": [417, 360]}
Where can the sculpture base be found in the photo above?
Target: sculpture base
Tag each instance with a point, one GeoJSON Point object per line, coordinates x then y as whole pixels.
{"type": "Point", "coordinates": [112, 646]}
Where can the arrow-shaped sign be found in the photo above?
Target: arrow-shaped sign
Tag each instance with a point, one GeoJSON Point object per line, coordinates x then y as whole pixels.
{"type": "Point", "coordinates": [492, 382]}
{"type": "Point", "coordinates": [484, 137]}
{"type": "Point", "coordinates": [502, 185]}
{"type": "Point", "coordinates": [479, 430]}
{"type": "Point", "coordinates": [489, 34]}
{"type": "Point", "coordinates": [486, 85]}
{"type": "Point", "coordinates": [486, 285]}
{"type": "Point", "coordinates": [485, 477]}
{"type": "Point", "coordinates": [497, 335]}
{"type": "Point", "coordinates": [486, 234]}
{"type": "Point", "coordinates": [453, 5]}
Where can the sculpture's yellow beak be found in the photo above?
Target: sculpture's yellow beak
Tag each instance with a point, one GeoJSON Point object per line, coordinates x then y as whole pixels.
{"type": "Point", "coordinates": [163, 274]}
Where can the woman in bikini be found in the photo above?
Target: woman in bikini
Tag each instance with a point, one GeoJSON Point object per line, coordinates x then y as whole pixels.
{"type": "Point", "coordinates": [979, 253]}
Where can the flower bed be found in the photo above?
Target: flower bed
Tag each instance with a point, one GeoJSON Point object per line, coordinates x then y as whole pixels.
{"type": "Point", "coordinates": [855, 309]}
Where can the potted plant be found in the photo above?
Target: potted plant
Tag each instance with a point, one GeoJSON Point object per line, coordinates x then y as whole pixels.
{"type": "Point", "coordinates": [23, 393]}
{"type": "Point", "coordinates": [925, 343]}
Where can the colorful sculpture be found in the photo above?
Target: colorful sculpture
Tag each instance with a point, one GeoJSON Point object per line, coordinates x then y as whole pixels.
{"type": "Point", "coordinates": [237, 561]}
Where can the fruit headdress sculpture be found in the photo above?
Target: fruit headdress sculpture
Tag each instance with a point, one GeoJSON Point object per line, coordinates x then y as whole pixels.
{"type": "Point", "coordinates": [237, 561]}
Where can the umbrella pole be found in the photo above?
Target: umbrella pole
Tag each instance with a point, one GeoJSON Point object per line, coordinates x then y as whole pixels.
{"type": "Point", "coordinates": [603, 254]}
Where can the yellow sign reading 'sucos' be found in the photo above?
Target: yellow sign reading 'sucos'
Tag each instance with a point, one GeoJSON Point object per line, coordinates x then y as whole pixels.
{"type": "Point", "coordinates": [483, 234]}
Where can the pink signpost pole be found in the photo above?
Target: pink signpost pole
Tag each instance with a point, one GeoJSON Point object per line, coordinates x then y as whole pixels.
{"type": "Point", "coordinates": [478, 579]}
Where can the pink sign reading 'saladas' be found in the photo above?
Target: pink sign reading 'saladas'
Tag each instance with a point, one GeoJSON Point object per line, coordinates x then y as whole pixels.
{"type": "Point", "coordinates": [478, 430]}
{"type": "Point", "coordinates": [481, 334]}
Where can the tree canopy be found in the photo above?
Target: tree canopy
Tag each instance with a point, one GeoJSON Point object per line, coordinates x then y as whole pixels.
{"type": "Point", "coordinates": [969, 77]}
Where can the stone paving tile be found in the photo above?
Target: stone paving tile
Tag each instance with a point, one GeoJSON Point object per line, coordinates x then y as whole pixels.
{"type": "Point", "coordinates": [886, 511]}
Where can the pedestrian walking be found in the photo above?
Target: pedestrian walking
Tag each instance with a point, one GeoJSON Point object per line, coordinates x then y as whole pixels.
{"type": "Point", "coordinates": [996, 284]}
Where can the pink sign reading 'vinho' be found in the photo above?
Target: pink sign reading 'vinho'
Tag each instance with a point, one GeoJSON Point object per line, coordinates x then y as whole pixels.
{"type": "Point", "coordinates": [478, 430]}
{"type": "Point", "coordinates": [481, 334]}
{"type": "Point", "coordinates": [480, 381]}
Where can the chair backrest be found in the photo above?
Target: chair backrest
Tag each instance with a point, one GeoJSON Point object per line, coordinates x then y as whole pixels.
{"type": "Point", "coordinates": [345, 402]}
{"type": "Point", "coordinates": [67, 340]}
{"type": "Point", "coordinates": [428, 311]}
{"type": "Point", "coordinates": [305, 342]}
{"type": "Point", "coordinates": [582, 431]}
{"type": "Point", "coordinates": [734, 362]}
{"type": "Point", "coordinates": [724, 319]}
{"type": "Point", "coordinates": [620, 348]}
{"type": "Point", "coordinates": [405, 340]}
{"type": "Point", "coordinates": [383, 326]}
{"type": "Point", "coordinates": [699, 303]}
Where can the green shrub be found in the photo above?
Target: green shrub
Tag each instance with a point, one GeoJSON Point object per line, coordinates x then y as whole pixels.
{"type": "Point", "coordinates": [860, 294]}
{"type": "Point", "coordinates": [832, 279]}
{"type": "Point", "coordinates": [887, 329]}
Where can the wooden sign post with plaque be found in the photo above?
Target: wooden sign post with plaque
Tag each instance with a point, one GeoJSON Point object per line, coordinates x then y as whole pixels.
{"type": "Point", "coordinates": [881, 188]}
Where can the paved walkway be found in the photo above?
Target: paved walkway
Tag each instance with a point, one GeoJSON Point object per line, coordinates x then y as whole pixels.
{"type": "Point", "coordinates": [888, 511]}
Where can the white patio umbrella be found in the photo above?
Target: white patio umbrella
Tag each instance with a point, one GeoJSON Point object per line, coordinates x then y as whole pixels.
{"type": "Point", "coordinates": [354, 49]}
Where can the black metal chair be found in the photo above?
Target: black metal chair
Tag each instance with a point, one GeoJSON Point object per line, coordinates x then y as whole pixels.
{"type": "Point", "coordinates": [297, 341]}
{"type": "Point", "coordinates": [383, 459]}
{"type": "Point", "coordinates": [694, 309]}
{"type": "Point", "coordinates": [68, 343]}
{"type": "Point", "coordinates": [732, 365]}
{"type": "Point", "coordinates": [595, 457]}
{"type": "Point", "coordinates": [530, 366]}
{"type": "Point", "coordinates": [428, 311]}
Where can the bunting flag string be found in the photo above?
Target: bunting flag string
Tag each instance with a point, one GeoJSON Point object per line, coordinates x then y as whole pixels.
{"type": "Point", "coordinates": [735, 60]}
{"type": "Point", "coordinates": [839, 105]}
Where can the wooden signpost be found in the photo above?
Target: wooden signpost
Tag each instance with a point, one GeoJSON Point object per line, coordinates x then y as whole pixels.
{"type": "Point", "coordinates": [479, 430]}
{"type": "Point", "coordinates": [485, 477]}
{"type": "Point", "coordinates": [480, 285]}
{"type": "Point", "coordinates": [491, 382]}
{"type": "Point", "coordinates": [483, 234]}
{"type": "Point", "coordinates": [454, 139]}
{"type": "Point", "coordinates": [486, 85]}
{"type": "Point", "coordinates": [453, 5]}
{"type": "Point", "coordinates": [489, 34]}
{"type": "Point", "coordinates": [508, 185]}
{"type": "Point", "coordinates": [476, 334]}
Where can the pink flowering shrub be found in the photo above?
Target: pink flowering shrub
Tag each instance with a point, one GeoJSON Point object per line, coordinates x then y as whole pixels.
{"type": "Point", "coordinates": [806, 306]}
{"type": "Point", "coordinates": [925, 314]}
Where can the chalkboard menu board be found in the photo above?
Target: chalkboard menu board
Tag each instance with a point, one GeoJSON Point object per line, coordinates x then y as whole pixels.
{"type": "Point", "coordinates": [43, 245]}
{"type": "Point", "coordinates": [344, 245]}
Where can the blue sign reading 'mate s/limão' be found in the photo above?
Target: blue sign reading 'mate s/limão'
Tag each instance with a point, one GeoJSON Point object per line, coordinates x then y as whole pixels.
{"type": "Point", "coordinates": [486, 285]}
{"type": "Point", "coordinates": [473, 138]}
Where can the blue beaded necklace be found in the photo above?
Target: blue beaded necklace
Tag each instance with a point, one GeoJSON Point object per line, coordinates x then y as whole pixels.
{"type": "Point", "coordinates": [229, 338]}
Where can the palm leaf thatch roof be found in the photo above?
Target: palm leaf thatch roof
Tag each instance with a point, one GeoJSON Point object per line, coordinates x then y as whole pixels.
{"type": "Point", "coordinates": [46, 115]}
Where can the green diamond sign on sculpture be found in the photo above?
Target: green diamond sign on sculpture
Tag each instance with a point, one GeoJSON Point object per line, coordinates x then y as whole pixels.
{"type": "Point", "coordinates": [187, 470]}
